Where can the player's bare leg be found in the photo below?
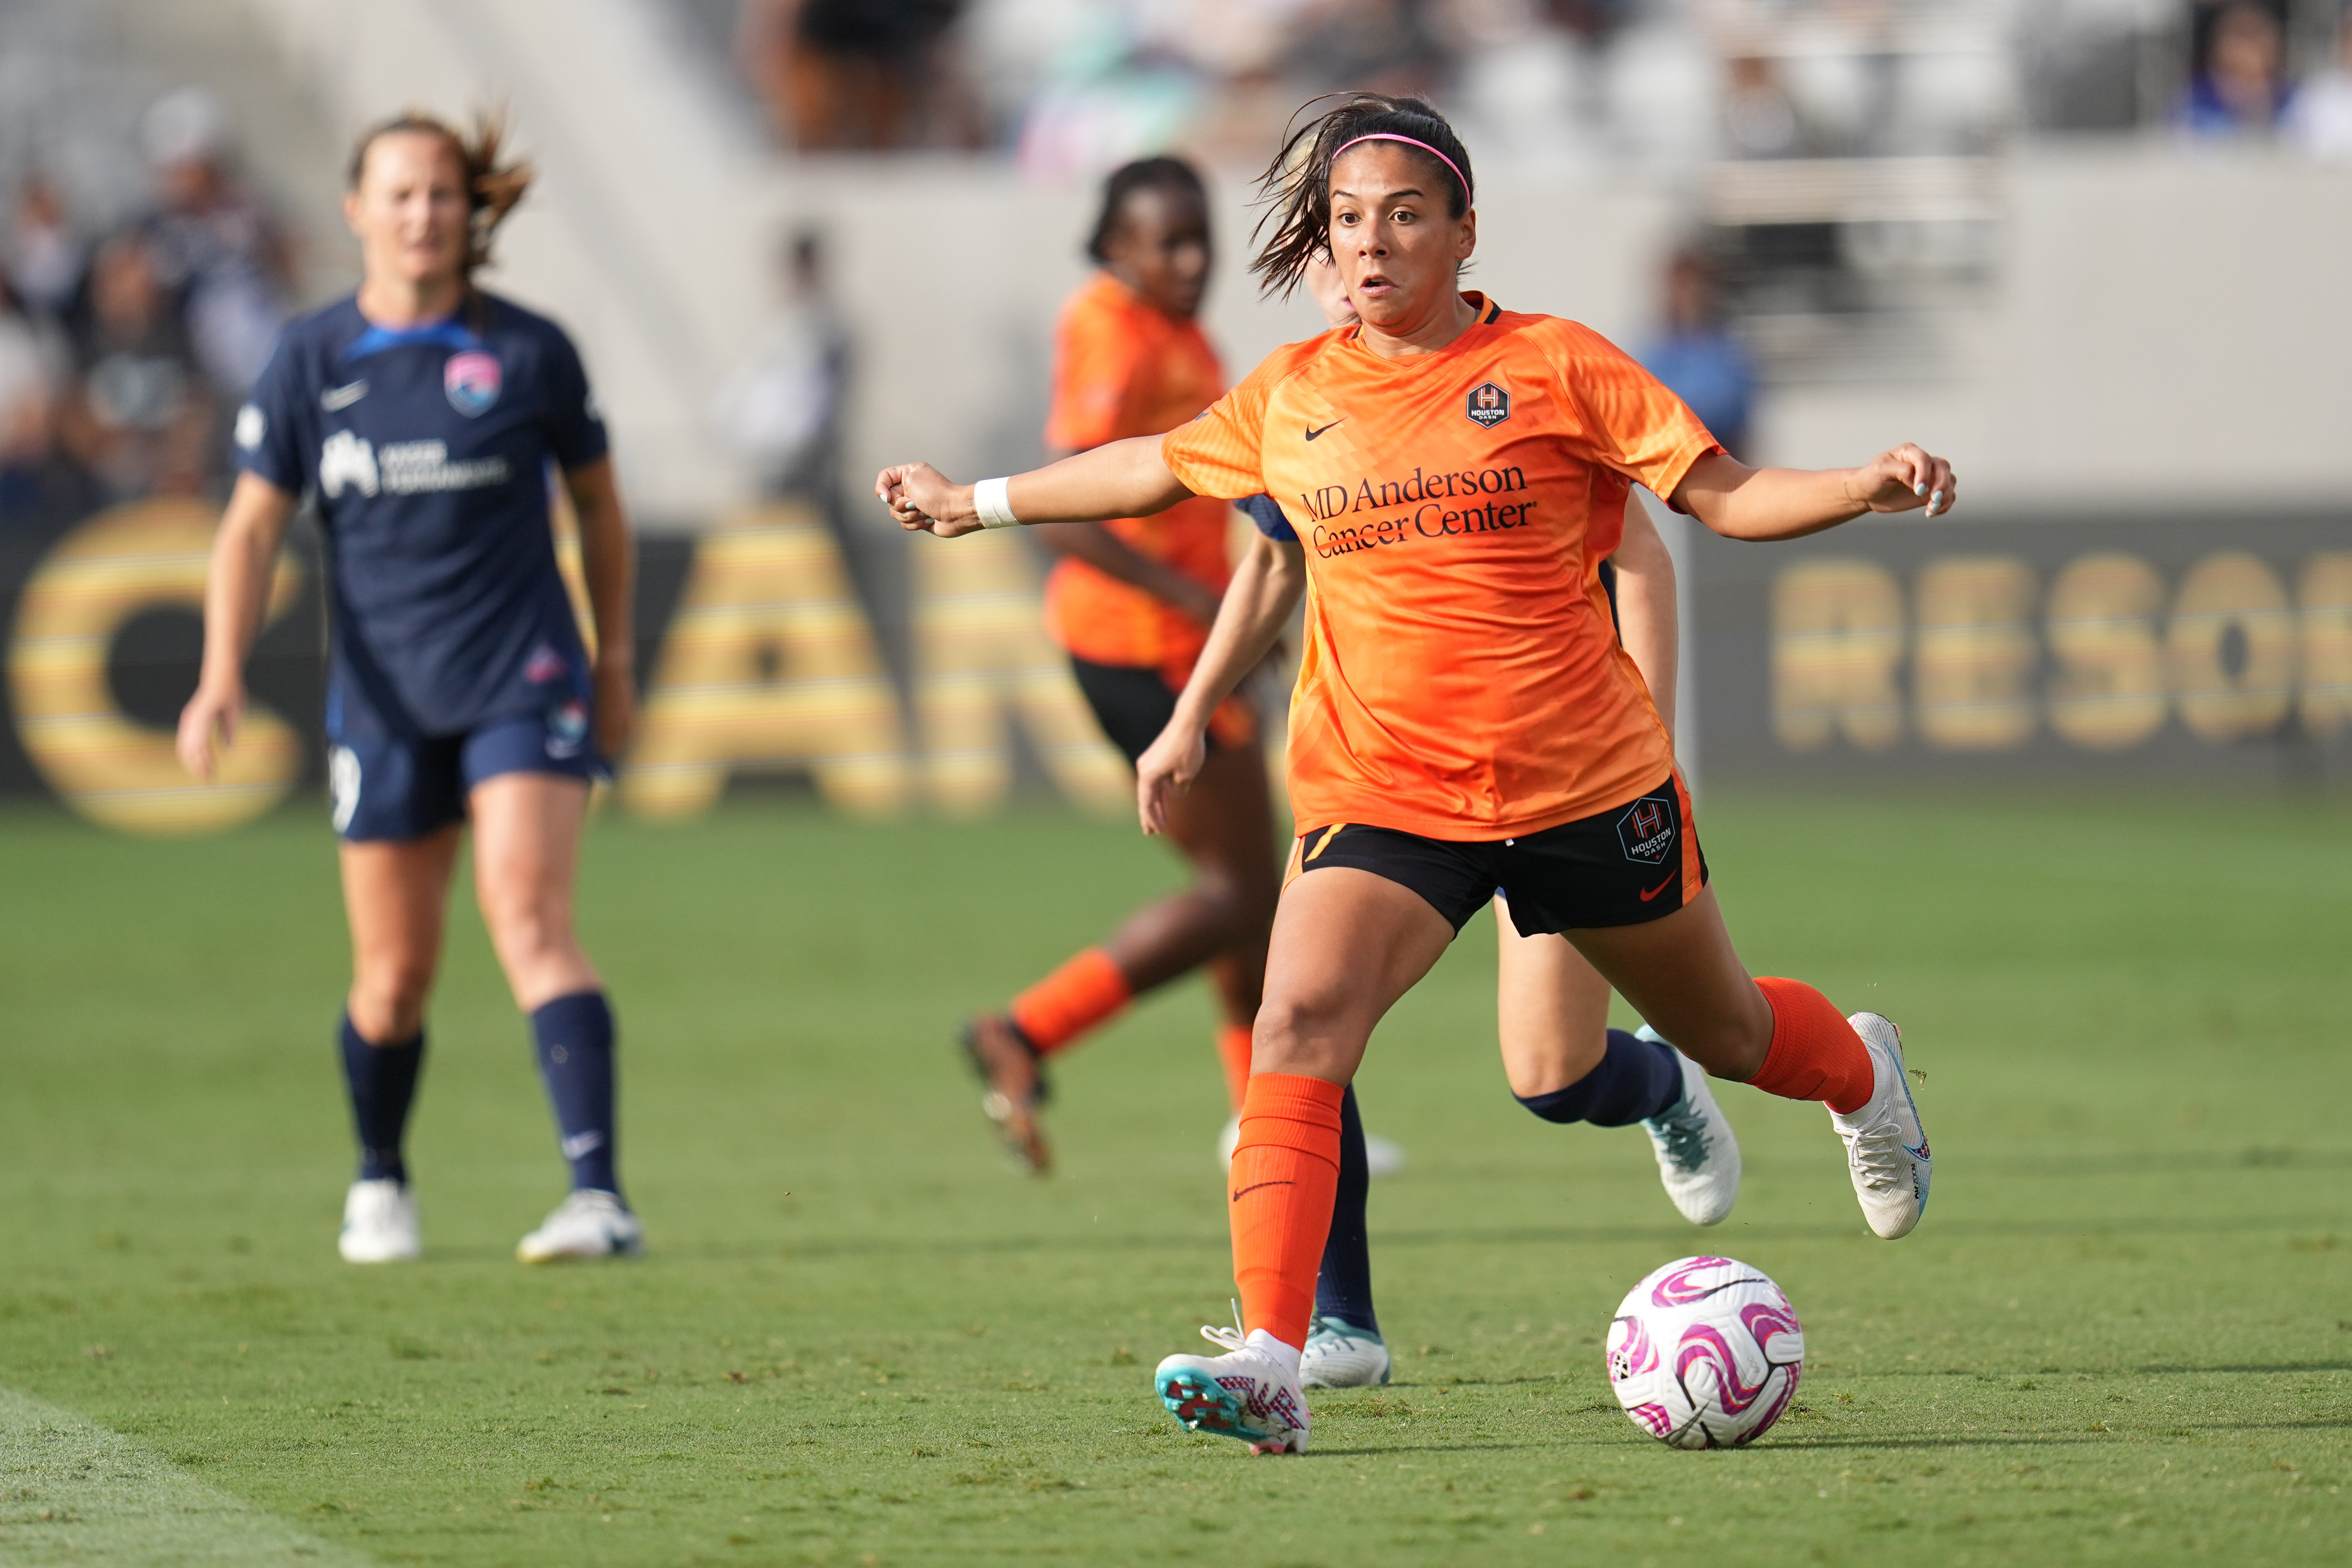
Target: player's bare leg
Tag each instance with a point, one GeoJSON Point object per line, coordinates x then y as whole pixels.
{"type": "Point", "coordinates": [1552, 1021]}
{"type": "Point", "coordinates": [1681, 974]}
{"type": "Point", "coordinates": [527, 829]}
{"type": "Point", "coordinates": [396, 897]}
{"type": "Point", "coordinates": [1224, 827]}
{"type": "Point", "coordinates": [1346, 945]}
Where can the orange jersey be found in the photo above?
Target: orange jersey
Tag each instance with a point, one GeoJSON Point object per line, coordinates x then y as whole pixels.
{"type": "Point", "coordinates": [1123, 367]}
{"type": "Point", "coordinates": [1461, 677]}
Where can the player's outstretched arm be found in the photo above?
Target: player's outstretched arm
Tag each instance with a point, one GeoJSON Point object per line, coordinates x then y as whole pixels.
{"type": "Point", "coordinates": [236, 590]}
{"type": "Point", "coordinates": [1741, 502]}
{"type": "Point", "coordinates": [1117, 478]}
{"type": "Point", "coordinates": [1265, 588]}
{"type": "Point", "coordinates": [608, 562]}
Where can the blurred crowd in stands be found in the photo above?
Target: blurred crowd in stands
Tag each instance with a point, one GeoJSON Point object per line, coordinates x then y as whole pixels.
{"type": "Point", "coordinates": [123, 352]}
{"type": "Point", "coordinates": [1076, 86]}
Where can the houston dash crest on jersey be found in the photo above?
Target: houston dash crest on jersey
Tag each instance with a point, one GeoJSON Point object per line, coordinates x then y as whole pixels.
{"type": "Point", "coordinates": [1489, 404]}
{"type": "Point", "coordinates": [472, 380]}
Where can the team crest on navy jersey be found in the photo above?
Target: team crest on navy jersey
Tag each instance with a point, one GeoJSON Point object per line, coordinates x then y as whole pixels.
{"type": "Point", "coordinates": [1647, 830]}
{"type": "Point", "coordinates": [472, 380]}
{"type": "Point", "coordinates": [546, 665]}
{"type": "Point", "coordinates": [1489, 404]}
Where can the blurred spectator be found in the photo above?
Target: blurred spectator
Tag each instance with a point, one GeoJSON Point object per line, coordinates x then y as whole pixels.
{"type": "Point", "coordinates": [781, 408]}
{"type": "Point", "coordinates": [40, 257]}
{"type": "Point", "coordinates": [28, 392]}
{"type": "Point", "coordinates": [1760, 120]}
{"type": "Point", "coordinates": [213, 243]}
{"type": "Point", "coordinates": [2239, 87]}
{"type": "Point", "coordinates": [1696, 356]}
{"type": "Point", "coordinates": [2318, 121]}
{"type": "Point", "coordinates": [855, 75]}
{"type": "Point", "coordinates": [137, 417]}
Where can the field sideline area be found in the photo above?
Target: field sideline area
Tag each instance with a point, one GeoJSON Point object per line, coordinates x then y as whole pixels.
{"type": "Point", "coordinates": [2122, 1335]}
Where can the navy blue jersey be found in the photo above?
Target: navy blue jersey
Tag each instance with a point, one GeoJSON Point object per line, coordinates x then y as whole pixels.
{"type": "Point", "coordinates": [431, 451]}
{"type": "Point", "coordinates": [1267, 515]}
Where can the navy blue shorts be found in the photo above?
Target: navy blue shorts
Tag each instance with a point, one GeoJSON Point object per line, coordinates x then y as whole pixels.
{"type": "Point", "coordinates": [389, 788]}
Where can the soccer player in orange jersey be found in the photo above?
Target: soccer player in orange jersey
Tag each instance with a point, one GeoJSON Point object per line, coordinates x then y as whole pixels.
{"type": "Point", "coordinates": [1130, 600]}
{"type": "Point", "coordinates": [1463, 719]}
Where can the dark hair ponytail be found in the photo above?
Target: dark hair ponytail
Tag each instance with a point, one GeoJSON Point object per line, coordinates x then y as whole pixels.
{"type": "Point", "coordinates": [492, 187]}
{"type": "Point", "coordinates": [1143, 174]}
{"type": "Point", "coordinates": [1298, 184]}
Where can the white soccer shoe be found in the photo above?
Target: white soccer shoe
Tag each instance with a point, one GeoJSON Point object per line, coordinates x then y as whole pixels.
{"type": "Point", "coordinates": [1885, 1148]}
{"type": "Point", "coordinates": [1340, 1355]}
{"type": "Point", "coordinates": [379, 1223]}
{"type": "Point", "coordinates": [1383, 1156]}
{"type": "Point", "coordinates": [588, 1223]}
{"type": "Point", "coordinates": [1698, 1159]}
{"type": "Point", "coordinates": [1250, 1393]}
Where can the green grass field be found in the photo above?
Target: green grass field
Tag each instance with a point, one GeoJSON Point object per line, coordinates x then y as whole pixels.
{"type": "Point", "coordinates": [2124, 1332]}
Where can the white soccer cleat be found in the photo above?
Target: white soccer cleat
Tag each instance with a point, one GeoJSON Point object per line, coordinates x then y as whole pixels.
{"type": "Point", "coordinates": [379, 1223]}
{"type": "Point", "coordinates": [1340, 1355]}
{"type": "Point", "coordinates": [588, 1223]}
{"type": "Point", "coordinates": [1250, 1393]}
{"type": "Point", "coordinates": [1698, 1159]}
{"type": "Point", "coordinates": [1885, 1148]}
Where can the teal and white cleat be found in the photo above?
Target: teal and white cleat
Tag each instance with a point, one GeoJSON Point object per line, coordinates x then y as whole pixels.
{"type": "Point", "coordinates": [1340, 1355]}
{"type": "Point", "coordinates": [1885, 1148]}
{"type": "Point", "coordinates": [379, 1223]}
{"type": "Point", "coordinates": [1250, 1393]}
{"type": "Point", "coordinates": [1698, 1159]}
{"type": "Point", "coordinates": [588, 1223]}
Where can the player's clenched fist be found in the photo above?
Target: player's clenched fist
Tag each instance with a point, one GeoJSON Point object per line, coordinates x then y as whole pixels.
{"type": "Point", "coordinates": [1903, 479]}
{"type": "Point", "coordinates": [921, 498]}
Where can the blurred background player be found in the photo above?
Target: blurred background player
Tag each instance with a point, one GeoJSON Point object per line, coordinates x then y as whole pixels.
{"type": "Point", "coordinates": [1561, 1057]}
{"type": "Point", "coordinates": [1131, 601]}
{"type": "Point", "coordinates": [1464, 717]}
{"type": "Point", "coordinates": [426, 417]}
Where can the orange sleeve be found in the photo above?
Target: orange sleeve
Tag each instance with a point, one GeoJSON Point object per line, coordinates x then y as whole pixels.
{"type": "Point", "coordinates": [1631, 422]}
{"type": "Point", "coordinates": [1221, 453]}
{"type": "Point", "coordinates": [1094, 363]}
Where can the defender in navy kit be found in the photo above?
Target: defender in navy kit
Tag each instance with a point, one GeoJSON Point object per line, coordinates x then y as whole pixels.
{"type": "Point", "coordinates": [430, 423]}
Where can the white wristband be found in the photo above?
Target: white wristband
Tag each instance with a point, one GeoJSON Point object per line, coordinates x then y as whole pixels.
{"type": "Point", "coordinates": [994, 506]}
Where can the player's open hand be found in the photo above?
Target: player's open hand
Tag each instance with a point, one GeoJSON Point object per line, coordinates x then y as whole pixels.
{"type": "Point", "coordinates": [921, 498]}
{"type": "Point", "coordinates": [1167, 768]}
{"type": "Point", "coordinates": [1906, 478]}
{"type": "Point", "coordinates": [208, 713]}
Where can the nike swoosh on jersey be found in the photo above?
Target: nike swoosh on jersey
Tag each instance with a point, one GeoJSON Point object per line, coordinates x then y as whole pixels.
{"type": "Point", "coordinates": [336, 397]}
{"type": "Point", "coordinates": [1649, 893]}
{"type": "Point", "coordinates": [1312, 432]}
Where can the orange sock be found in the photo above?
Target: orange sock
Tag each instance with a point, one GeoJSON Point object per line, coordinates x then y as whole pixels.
{"type": "Point", "coordinates": [1087, 990]}
{"type": "Point", "coordinates": [1815, 1053]}
{"type": "Point", "coordinates": [1233, 1051]}
{"type": "Point", "coordinates": [1286, 1175]}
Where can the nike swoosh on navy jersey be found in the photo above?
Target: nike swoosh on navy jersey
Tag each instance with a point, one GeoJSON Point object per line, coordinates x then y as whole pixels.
{"type": "Point", "coordinates": [1312, 432]}
{"type": "Point", "coordinates": [1649, 893]}
{"type": "Point", "coordinates": [336, 397]}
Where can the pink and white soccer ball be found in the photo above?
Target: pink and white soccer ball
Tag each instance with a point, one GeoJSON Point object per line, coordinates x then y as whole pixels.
{"type": "Point", "coordinates": [1706, 1353]}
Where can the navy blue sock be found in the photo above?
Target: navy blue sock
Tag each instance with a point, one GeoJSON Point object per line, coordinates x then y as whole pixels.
{"type": "Point", "coordinates": [1636, 1079]}
{"type": "Point", "coordinates": [575, 1057]}
{"type": "Point", "coordinates": [382, 1084]}
{"type": "Point", "coordinates": [1343, 1287]}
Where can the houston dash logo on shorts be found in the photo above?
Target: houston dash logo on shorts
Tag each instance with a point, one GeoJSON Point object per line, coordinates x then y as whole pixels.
{"type": "Point", "coordinates": [1489, 404]}
{"type": "Point", "coordinates": [1647, 831]}
{"type": "Point", "coordinates": [472, 380]}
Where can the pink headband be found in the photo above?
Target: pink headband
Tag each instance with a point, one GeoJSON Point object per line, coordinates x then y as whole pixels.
{"type": "Point", "coordinates": [1392, 136]}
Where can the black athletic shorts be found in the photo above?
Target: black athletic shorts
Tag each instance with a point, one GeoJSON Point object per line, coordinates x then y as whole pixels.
{"type": "Point", "coordinates": [1631, 863]}
{"type": "Point", "coordinates": [1134, 702]}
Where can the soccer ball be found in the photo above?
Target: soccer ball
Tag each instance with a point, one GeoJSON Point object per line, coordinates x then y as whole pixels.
{"type": "Point", "coordinates": [1706, 1353]}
